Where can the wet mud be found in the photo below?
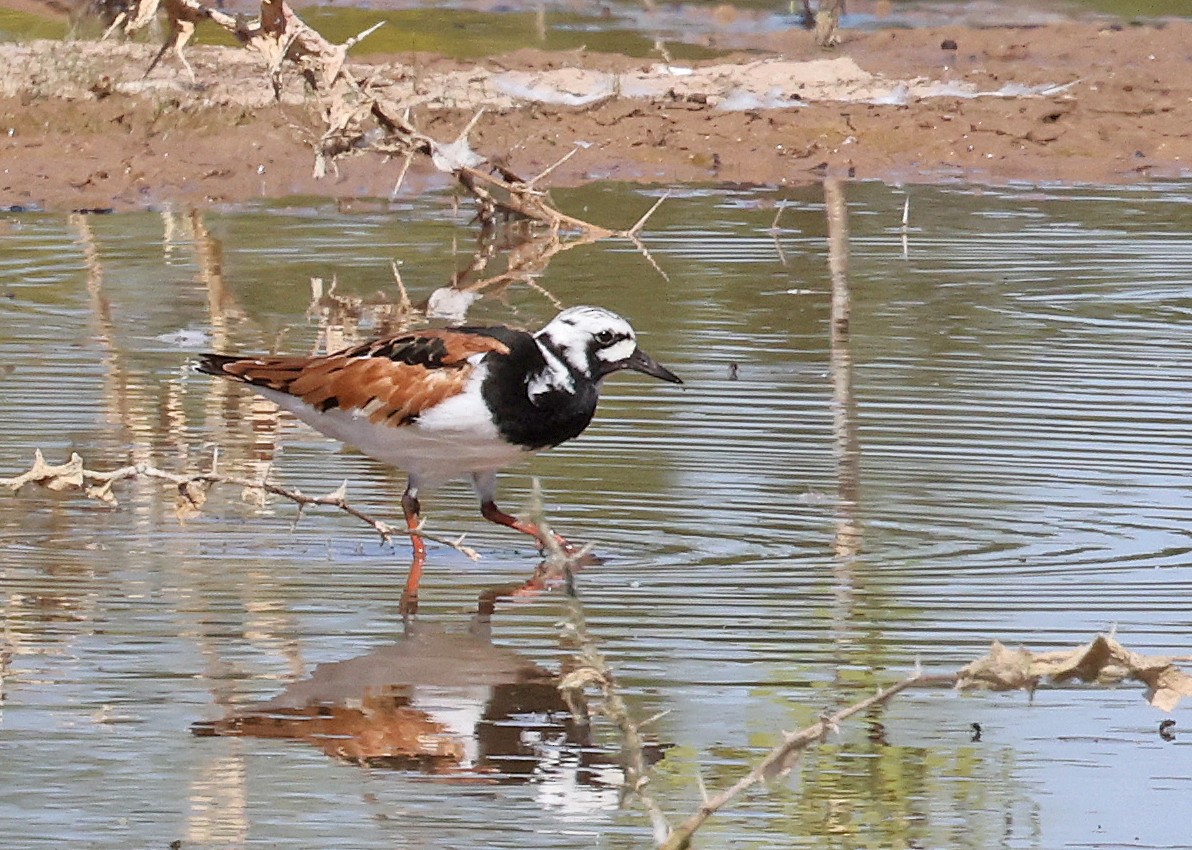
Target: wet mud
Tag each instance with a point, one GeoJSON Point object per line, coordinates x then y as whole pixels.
{"type": "Point", "coordinates": [1080, 102]}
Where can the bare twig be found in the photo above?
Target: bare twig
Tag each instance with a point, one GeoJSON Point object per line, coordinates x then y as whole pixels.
{"type": "Point", "coordinates": [404, 304]}
{"type": "Point", "coordinates": [906, 214]}
{"type": "Point", "coordinates": [591, 669]}
{"type": "Point", "coordinates": [777, 215]}
{"type": "Point", "coordinates": [359, 37]}
{"type": "Point", "coordinates": [645, 252]}
{"type": "Point", "coordinates": [836, 209]}
{"type": "Point", "coordinates": [502, 192]}
{"type": "Point", "coordinates": [401, 175]}
{"type": "Point", "coordinates": [192, 487]}
{"type": "Point", "coordinates": [641, 222]}
{"type": "Point", "coordinates": [552, 167]}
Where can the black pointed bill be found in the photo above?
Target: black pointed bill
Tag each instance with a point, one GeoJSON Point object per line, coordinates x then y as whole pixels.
{"type": "Point", "coordinates": [641, 362]}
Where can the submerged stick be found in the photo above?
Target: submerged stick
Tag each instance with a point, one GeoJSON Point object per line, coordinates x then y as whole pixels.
{"type": "Point", "coordinates": [782, 758]}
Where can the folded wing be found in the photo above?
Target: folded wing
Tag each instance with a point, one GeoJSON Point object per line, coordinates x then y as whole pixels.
{"type": "Point", "coordinates": [390, 381]}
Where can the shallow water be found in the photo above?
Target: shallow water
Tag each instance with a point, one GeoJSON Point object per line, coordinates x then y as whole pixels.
{"type": "Point", "coordinates": [1011, 463]}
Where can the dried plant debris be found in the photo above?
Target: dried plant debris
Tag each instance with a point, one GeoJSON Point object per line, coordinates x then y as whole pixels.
{"type": "Point", "coordinates": [62, 476]}
{"type": "Point", "coordinates": [1102, 661]}
{"type": "Point", "coordinates": [360, 115]}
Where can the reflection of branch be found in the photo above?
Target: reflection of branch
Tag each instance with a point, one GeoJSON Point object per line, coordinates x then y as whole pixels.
{"type": "Point", "coordinates": [192, 492]}
{"type": "Point", "coordinates": [590, 668]}
{"type": "Point", "coordinates": [527, 260]}
{"type": "Point", "coordinates": [844, 403]}
{"type": "Point", "coordinates": [774, 231]}
{"type": "Point", "coordinates": [341, 316]}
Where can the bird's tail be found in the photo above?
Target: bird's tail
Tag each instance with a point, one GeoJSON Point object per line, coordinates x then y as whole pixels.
{"type": "Point", "coordinates": [270, 372]}
{"type": "Point", "coordinates": [214, 364]}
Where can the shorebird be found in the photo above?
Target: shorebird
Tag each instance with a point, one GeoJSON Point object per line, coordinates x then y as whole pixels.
{"type": "Point", "coordinates": [444, 403]}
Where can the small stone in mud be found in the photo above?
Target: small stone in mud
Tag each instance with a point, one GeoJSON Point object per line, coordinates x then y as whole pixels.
{"type": "Point", "coordinates": [948, 44]}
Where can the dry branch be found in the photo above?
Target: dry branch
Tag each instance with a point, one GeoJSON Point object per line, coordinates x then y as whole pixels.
{"type": "Point", "coordinates": [347, 105]}
{"type": "Point", "coordinates": [499, 193]}
{"type": "Point", "coordinates": [590, 669]}
{"type": "Point", "coordinates": [277, 33]}
{"type": "Point", "coordinates": [827, 22]}
{"type": "Point", "coordinates": [192, 492]}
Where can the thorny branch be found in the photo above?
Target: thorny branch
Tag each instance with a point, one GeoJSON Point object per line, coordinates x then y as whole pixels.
{"type": "Point", "coordinates": [779, 761]}
{"type": "Point", "coordinates": [192, 492]}
{"type": "Point", "coordinates": [1102, 660]}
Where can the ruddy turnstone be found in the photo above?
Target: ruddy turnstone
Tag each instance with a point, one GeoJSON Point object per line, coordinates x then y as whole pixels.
{"type": "Point", "coordinates": [442, 403]}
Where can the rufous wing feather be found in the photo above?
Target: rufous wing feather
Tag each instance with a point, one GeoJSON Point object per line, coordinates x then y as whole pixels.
{"type": "Point", "coordinates": [389, 380]}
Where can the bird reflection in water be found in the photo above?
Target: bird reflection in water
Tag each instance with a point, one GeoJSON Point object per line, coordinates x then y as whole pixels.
{"type": "Point", "coordinates": [438, 701]}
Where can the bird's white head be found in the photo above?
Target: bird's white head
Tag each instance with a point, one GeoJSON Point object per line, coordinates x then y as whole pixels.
{"type": "Point", "coordinates": [594, 343]}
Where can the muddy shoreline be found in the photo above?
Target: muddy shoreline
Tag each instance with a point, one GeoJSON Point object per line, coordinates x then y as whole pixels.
{"type": "Point", "coordinates": [1103, 103]}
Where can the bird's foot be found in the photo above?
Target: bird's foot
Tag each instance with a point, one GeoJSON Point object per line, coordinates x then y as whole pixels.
{"type": "Point", "coordinates": [576, 556]}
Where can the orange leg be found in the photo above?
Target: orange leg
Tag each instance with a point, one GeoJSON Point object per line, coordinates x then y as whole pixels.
{"type": "Point", "coordinates": [412, 508]}
{"type": "Point", "coordinates": [492, 513]}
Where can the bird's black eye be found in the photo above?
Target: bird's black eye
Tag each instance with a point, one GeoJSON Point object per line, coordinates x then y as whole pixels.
{"type": "Point", "coordinates": [604, 337]}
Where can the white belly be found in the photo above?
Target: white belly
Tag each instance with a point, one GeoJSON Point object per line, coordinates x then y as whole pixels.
{"type": "Point", "coordinates": [453, 439]}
